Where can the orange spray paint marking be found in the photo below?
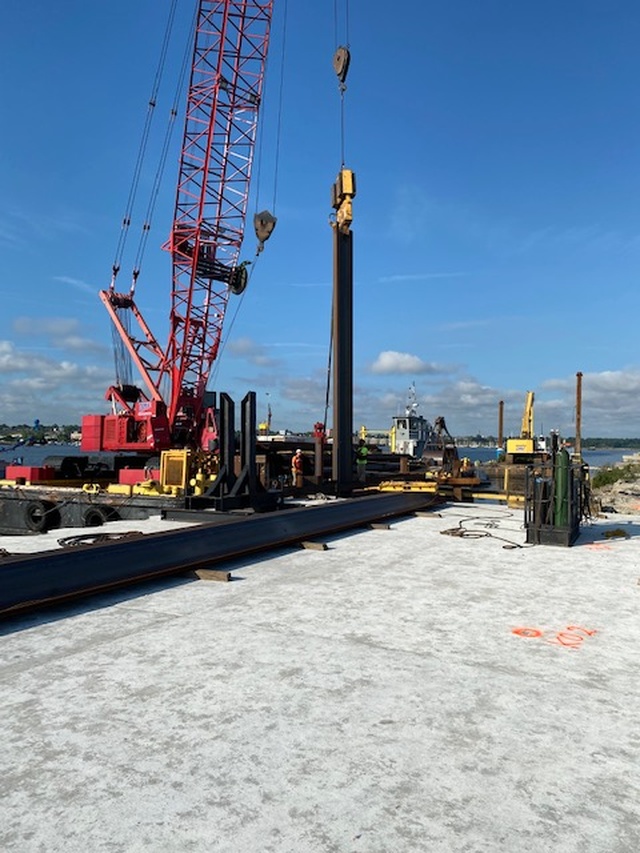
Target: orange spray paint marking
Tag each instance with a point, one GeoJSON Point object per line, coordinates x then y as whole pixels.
{"type": "Point", "coordinates": [570, 637]}
{"type": "Point", "coordinates": [527, 632]}
{"type": "Point", "coordinates": [556, 641]}
{"type": "Point", "coordinates": [584, 630]}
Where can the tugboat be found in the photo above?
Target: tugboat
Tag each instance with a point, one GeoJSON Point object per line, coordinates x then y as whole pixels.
{"type": "Point", "coordinates": [413, 434]}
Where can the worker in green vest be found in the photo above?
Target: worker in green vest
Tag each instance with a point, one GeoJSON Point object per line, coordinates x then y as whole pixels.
{"type": "Point", "coordinates": [362, 453]}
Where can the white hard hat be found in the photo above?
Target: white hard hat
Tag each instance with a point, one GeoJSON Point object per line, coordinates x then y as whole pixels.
{"type": "Point", "coordinates": [298, 450]}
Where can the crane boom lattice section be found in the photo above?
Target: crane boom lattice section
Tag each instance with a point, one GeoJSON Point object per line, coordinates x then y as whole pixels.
{"type": "Point", "coordinates": [224, 97]}
{"type": "Point", "coordinates": [231, 40]}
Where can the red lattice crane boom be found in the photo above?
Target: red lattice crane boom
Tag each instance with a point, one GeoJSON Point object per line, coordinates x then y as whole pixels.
{"type": "Point", "coordinates": [224, 97]}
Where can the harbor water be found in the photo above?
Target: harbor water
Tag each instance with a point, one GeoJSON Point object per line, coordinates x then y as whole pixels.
{"type": "Point", "coordinates": [593, 458]}
{"type": "Point", "coordinates": [36, 454]}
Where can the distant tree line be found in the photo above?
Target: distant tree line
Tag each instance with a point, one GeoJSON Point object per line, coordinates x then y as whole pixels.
{"type": "Point", "coordinates": [607, 443]}
{"type": "Point", "coordinates": [587, 443]}
{"type": "Point", "coordinates": [62, 433]}
{"type": "Point", "coordinates": [40, 432]}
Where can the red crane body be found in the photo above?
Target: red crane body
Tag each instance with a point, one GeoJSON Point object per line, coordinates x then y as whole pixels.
{"type": "Point", "coordinates": [224, 97]}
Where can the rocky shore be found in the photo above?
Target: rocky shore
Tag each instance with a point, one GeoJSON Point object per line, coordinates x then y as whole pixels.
{"type": "Point", "coordinates": [622, 496]}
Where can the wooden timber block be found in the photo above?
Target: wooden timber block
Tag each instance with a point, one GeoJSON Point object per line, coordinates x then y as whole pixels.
{"type": "Point", "coordinates": [380, 525]}
{"type": "Point", "coordinates": [314, 546]}
{"type": "Point", "coordinates": [210, 575]}
{"type": "Point", "coordinates": [422, 514]}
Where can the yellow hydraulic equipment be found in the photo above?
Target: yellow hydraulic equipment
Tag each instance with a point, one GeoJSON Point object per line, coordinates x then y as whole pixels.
{"type": "Point", "coordinates": [375, 436]}
{"type": "Point", "coordinates": [174, 471]}
{"type": "Point", "coordinates": [392, 439]}
{"type": "Point", "coordinates": [525, 444]}
{"type": "Point", "coordinates": [181, 472]}
{"type": "Point", "coordinates": [430, 487]}
{"type": "Point", "coordinates": [342, 194]}
{"type": "Point", "coordinates": [185, 471]}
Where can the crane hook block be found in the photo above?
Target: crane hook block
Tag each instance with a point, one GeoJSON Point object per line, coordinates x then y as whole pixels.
{"type": "Point", "coordinates": [264, 223]}
{"type": "Point", "coordinates": [341, 60]}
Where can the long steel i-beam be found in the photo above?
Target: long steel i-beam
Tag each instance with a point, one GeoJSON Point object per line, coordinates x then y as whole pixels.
{"type": "Point", "coordinates": [37, 580]}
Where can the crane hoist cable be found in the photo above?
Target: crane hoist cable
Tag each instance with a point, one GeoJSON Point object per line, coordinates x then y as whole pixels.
{"type": "Point", "coordinates": [280, 102]}
{"type": "Point", "coordinates": [157, 181]}
{"type": "Point", "coordinates": [278, 135]}
{"type": "Point", "coordinates": [259, 159]}
{"type": "Point", "coordinates": [328, 385]}
{"type": "Point", "coordinates": [341, 60]}
{"type": "Point", "coordinates": [122, 357]}
{"type": "Point", "coordinates": [341, 67]}
{"type": "Point", "coordinates": [135, 181]}
{"type": "Point", "coordinates": [229, 325]}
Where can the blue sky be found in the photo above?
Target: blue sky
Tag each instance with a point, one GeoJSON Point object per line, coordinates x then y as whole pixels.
{"type": "Point", "coordinates": [496, 232]}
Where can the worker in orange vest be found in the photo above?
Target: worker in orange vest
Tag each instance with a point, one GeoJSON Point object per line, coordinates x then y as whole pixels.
{"type": "Point", "coordinates": [297, 465]}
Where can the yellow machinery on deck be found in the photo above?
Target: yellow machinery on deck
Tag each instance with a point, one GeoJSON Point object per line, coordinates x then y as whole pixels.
{"type": "Point", "coordinates": [526, 448]}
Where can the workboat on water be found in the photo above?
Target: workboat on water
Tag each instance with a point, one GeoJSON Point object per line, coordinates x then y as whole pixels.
{"type": "Point", "coordinates": [414, 435]}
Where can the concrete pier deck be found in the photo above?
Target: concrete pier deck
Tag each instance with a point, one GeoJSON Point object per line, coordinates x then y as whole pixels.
{"type": "Point", "coordinates": [369, 698]}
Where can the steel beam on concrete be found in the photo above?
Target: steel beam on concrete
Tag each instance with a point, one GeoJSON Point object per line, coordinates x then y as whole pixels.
{"type": "Point", "coordinates": [227, 441]}
{"type": "Point", "coordinates": [37, 580]}
{"type": "Point", "coordinates": [342, 467]}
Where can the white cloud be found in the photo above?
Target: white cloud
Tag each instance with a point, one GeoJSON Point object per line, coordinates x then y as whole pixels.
{"type": "Point", "coordinates": [299, 345]}
{"type": "Point", "coordinates": [60, 332]}
{"type": "Point", "coordinates": [14, 361]}
{"type": "Point", "coordinates": [609, 401]}
{"type": "Point", "coordinates": [306, 391]}
{"type": "Point", "coordinates": [391, 361]}
{"type": "Point", "coordinates": [77, 283]}
{"type": "Point", "coordinates": [250, 351]}
{"type": "Point", "coordinates": [77, 343]}
{"type": "Point", "coordinates": [242, 346]}
{"type": "Point", "coordinates": [55, 391]}
{"type": "Point", "coordinates": [465, 324]}
{"type": "Point", "coordinates": [51, 326]}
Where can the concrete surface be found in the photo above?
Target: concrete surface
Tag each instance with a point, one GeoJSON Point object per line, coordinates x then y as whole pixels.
{"type": "Point", "coordinates": [370, 697]}
{"type": "Point", "coordinates": [49, 541]}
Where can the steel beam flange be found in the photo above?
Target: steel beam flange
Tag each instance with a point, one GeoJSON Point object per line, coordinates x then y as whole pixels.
{"type": "Point", "coordinates": [36, 580]}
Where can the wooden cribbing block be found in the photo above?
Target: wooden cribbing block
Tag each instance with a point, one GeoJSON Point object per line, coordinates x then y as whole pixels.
{"type": "Point", "coordinates": [211, 575]}
{"type": "Point", "coordinates": [314, 546]}
{"type": "Point", "coordinates": [380, 525]}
